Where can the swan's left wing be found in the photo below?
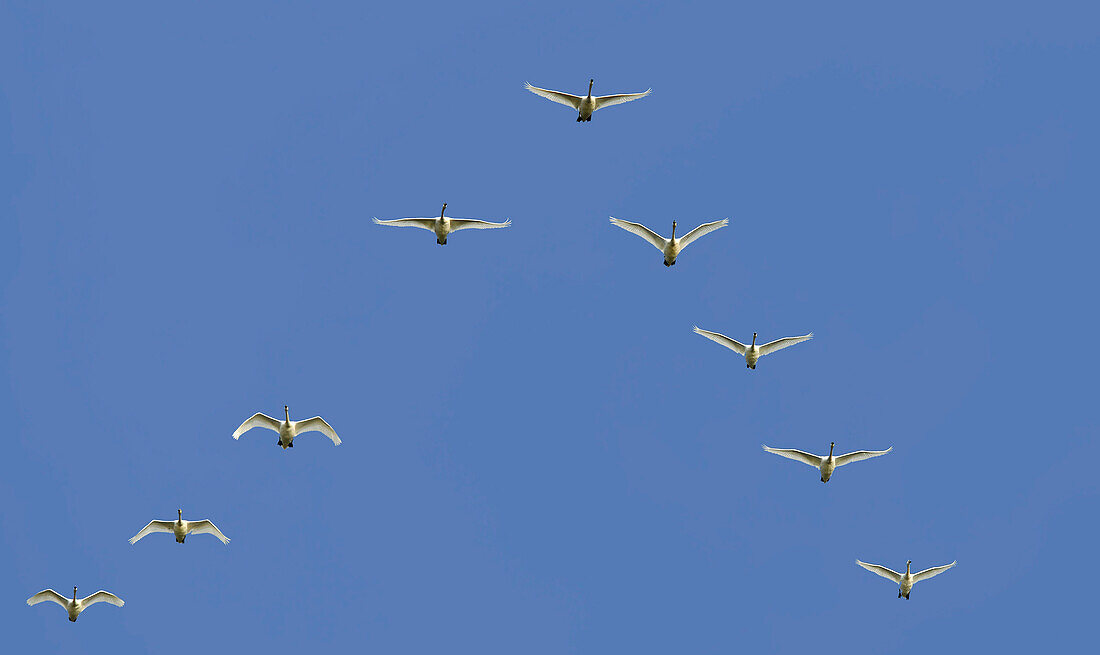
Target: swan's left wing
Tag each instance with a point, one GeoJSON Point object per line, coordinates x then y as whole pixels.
{"type": "Point", "coordinates": [607, 101]}
{"type": "Point", "coordinates": [102, 597]}
{"type": "Point", "coordinates": [257, 420]}
{"type": "Point", "coordinates": [780, 344]}
{"type": "Point", "coordinates": [474, 224]}
{"type": "Point", "coordinates": [206, 527]}
{"type": "Point", "coordinates": [705, 228]}
{"type": "Point", "coordinates": [732, 344]}
{"type": "Point", "coordinates": [881, 570]}
{"type": "Point", "coordinates": [150, 528]}
{"type": "Point", "coordinates": [318, 424]}
{"type": "Point", "coordinates": [932, 572]}
{"type": "Point", "coordinates": [796, 455]}
{"type": "Point", "coordinates": [567, 99]}
{"type": "Point", "coordinates": [860, 455]}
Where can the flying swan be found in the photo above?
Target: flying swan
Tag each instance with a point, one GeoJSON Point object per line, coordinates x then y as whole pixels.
{"type": "Point", "coordinates": [443, 225]}
{"type": "Point", "coordinates": [586, 105]}
{"type": "Point", "coordinates": [670, 247]}
{"type": "Point", "coordinates": [74, 607]}
{"type": "Point", "coordinates": [181, 529]}
{"type": "Point", "coordinates": [906, 580]}
{"type": "Point", "coordinates": [287, 429]}
{"type": "Point", "coordinates": [829, 463]}
{"type": "Point", "coordinates": [753, 352]}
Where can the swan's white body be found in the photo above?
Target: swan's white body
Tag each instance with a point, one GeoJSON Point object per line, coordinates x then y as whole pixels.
{"type": "Point", "coordinates": [828, 463]}
{"type": "Point", "coordinates": [905, 581]}
{"type": "Point", "coordinates": [753, 352]}
{"type": "Point", "coordinates": [73, 605]}
{"type": "Point", "coordinates": [669, 247]}
{"type": "Point", "coordinates": [443, 225]}
{"type": "Point", "coordinates": [585, 105]}
{"type": "Point", "coordinates": [180, 529]}
{"type": "Point", "coordinates": [287, 429]}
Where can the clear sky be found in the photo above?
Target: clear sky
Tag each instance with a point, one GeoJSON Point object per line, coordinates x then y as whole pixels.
{"type": "Point", "coordinates": [539, 456]}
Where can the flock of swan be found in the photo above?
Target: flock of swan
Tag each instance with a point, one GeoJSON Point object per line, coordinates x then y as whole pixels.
{"type": "Point", "coordinates": [444, 225]}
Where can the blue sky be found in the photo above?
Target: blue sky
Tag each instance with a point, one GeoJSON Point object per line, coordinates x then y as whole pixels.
{"type": "Point", "coordinates": [539, 456]}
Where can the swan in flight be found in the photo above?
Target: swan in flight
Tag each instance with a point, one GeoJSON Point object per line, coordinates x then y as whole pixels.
{"type": "Point", "coordinates": [287, 429]}
{"type": "Point", "coordinates": [906, 580]}
{"type": "Point", "coordinates": [74, 607]}
{"type": "Point", "coordinates": [585, 105]}
{"type": "Point", "coordinates": [181, 529]}
{"type": "Point", "coordinates": [829, 463]}
{"type": "Point", "coordinates": [670, 247]}
{"type": "Point", "coordinates": [443, 225]}
{"type": "Point", "coordinates": [753, 352]}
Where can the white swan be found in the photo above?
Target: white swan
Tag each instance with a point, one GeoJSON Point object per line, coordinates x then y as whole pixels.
{"type": "Point", "coordinates": [826, 464]}
{"type": "Point", "coordinates": [585, 105]}
{"type": "Point", "coordinates": [752, 352]}
{"type": "Point", "coordinates": [443, 225]}
{"type": "Point", "coordinates": [906, 580]}
{"type": "Point", "coordinates": [287, 429]}
{"type": "Point", "coordinates": [670, 247]}
{"type": "Point", "coordinates": [74, 607]}
{"type": "Point", "coordinates": [181, 529]}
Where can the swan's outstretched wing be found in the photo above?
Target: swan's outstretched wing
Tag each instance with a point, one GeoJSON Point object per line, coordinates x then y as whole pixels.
{"type": "Point", "coordinates": [658, 241]}
{"type": "Point", "coordinates": [735, 346]}
{"type": "Point", "coordinates": [797, 455]}
{"type": "Point", "coordinates": [780, 344]}
{"type": "Point", "coordinates": [567, 99]}
{"type": "Point", "coordinates": [317, 424]}
{"type": "Point", "coordinates": [607, 101]}
{"type": "Point", "coordinates": [48, 594]}
{"type": "Point", "coordinates": [860, 455]}
{"type": "Point", "coordinates": [881, 570]}
{"type": "Point", "coordinates": [153, 526]}
{"type": "Point", "coordinates": [474, 224]}
{"type": "Point", "coordinates": [102, 597]}
{"type": "Point", "coordinates": [422, 223]}
{"type": "Point", "coordinates": [206, 527]}
{"type": "Point", "coordinates": [932, 572]}
{"type": "Point", "coordinates": [705, 228]}
{"type": "Point", "coordinates": [258, 420]}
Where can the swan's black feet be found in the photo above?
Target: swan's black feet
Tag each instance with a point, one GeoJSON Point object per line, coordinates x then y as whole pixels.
{"type": "Point", "coordinates": [822, 480]}
{"type": "Point", "coordinates": [667, 264]}
{"type": "Point", "coordinates": [278, 442]}
{"type": "Point", "coordinates": [290, 445]}
{"type": "Point", "coordinates": [899, 594]}
{"type": "Point", "coordinates": [578, 119]}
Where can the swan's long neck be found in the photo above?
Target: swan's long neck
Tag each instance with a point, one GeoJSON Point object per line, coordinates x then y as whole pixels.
{"type": "Point", "coordinates": [753, 338]}
{"type": "Point", "coordinates": [673, 230]}
{"type": "Point", "coordinates": [286, 408]}
{"type": "Point", "coordinates": [442, 211]}
{"type": "Point", "coordinates": [590, 83]}
{"type": "Point", "coordinates": [74, 594]}
{"type": "Point", "coordinates": [831, 446]}
{"type": "Point", "coordinates": [180, 515]}
{"type": "Point", "coordinates": [907, 564]}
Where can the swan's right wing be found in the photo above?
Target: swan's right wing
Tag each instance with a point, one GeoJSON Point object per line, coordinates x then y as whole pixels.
{"type": "Point", "coordinates": [932, 572]}
{"type": "Point", "coordinates": [48, 594]}
{"type": "Point", "coordinates": [103, 597]}
{"type": "Point", "coordinates": [735, 346]}
{"type": "Point", "coordinates": [474, 224]}
{"type": "Point", "coordinates": [797, 455]}
{"type": "Point", "coordinates": [153, 526]}
{"type": "Point", "coordinates": [658, 241]}
{"type": "Point", "coordinates": [318, 424]}
{"type": "Point", "coordinates": [705, 228]}
{"type": "Point", "coordinates": [881, 570]}
{"type": "Point", "coordinates": [422, 223]}
{"type": "Point", "coordinates": [206, 527]}
{"type": "Point", "coordinates": [567, 99]}
{"type": "Point", "coordinates": [258, 420]}
{"type": "Point", "coordinates": [860, 455]}
{"type": "Point", "coordinates": [785, 342]}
